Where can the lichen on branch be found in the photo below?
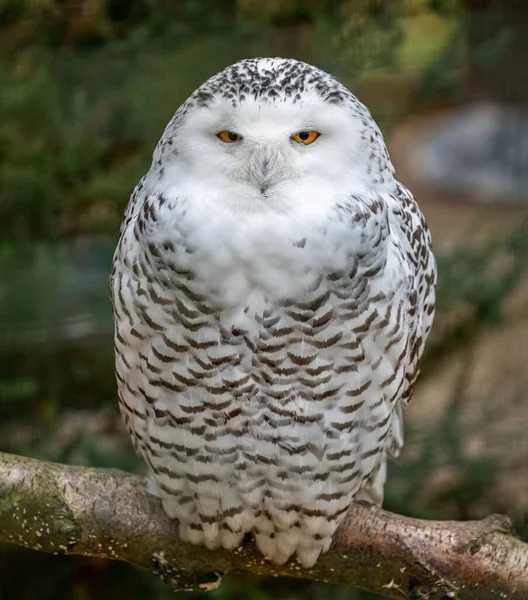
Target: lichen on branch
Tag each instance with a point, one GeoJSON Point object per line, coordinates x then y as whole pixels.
{"type": "Point", "coordinates": [106, 513]}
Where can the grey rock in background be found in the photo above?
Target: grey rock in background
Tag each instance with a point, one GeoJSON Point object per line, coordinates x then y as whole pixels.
{"type": "Point", "coordinates": [479, 150]}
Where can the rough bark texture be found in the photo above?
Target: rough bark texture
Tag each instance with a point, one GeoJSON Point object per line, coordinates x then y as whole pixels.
{"type": "Point", "coordinates": [99, 512]}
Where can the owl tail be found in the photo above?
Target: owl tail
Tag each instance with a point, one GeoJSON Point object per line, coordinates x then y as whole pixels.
{"type": "Point", "coordinates": [372, 490]}
{"type": "Point", "coordinates": [152, 486]}
{"type": "Point", "coordinates": [396, 436]}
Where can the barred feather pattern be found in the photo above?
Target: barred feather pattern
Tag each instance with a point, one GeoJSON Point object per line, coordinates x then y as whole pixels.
{"type": "Point", "coordinates": [264, 387]}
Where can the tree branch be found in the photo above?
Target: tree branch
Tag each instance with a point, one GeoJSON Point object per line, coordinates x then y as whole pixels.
{"type": "Point", "coordinates": [106, 513]}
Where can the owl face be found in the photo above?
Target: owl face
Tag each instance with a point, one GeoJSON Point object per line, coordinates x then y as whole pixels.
{"type": "Point", "coordinates": [264, 145]}
{"type": "Point", "coordinates": [266, 127]}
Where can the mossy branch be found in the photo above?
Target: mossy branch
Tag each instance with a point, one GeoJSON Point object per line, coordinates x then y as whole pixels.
{"type": "Point", "coordinates": [106, 513]}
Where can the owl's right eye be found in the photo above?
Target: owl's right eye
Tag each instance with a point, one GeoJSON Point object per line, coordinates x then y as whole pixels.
{"type": "Point", "coordinates": [306, 137]}
{"type": "Point", "coordinates": [229, 136]}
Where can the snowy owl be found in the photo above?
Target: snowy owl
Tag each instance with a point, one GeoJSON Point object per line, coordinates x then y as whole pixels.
{"type": "Point", "coordinates": [273, 288]}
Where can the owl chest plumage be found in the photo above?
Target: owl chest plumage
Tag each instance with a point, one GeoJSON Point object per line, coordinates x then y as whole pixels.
{"type": "Point", "coordinates": [262, 385]}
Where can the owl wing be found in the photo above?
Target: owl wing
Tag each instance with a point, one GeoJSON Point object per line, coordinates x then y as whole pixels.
{"type": "Point", "coordinates": [416, 278]}
{"type": "Point", "coordinates": [416, 249]}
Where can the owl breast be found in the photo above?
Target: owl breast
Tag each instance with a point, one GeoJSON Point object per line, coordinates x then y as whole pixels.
{"type": "Point", "coordinates": [262, 387]}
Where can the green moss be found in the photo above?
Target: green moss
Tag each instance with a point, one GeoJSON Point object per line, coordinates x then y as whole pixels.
{"type": "Point", "coordinates": [9, 502]}
{"type": "Point", "coordinates": [37, 516]}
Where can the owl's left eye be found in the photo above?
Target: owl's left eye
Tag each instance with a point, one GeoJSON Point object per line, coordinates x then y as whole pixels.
{"type": "Point", "coordinates": [306, 137]}
{"type": "Point", "coordinates": [229, 136]}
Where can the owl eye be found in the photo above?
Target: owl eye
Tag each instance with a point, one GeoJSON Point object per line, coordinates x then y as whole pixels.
{"type": "Point", "coordinates": [229, 136]}
{"type": "Point", "coordinates": [306, 137]}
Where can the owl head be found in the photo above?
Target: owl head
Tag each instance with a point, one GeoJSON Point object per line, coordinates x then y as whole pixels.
{"type": "Point", "coordinates": [263, 128]}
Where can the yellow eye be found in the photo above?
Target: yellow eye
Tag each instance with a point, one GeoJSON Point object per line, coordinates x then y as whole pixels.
{"type": "Point", "coordinates": [306, 137]}
{"type": "Point", "coordinates": [229, 136]}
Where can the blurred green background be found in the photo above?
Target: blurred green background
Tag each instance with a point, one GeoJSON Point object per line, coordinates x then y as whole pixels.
{"type": "Point", "coordinates": [86, 88]}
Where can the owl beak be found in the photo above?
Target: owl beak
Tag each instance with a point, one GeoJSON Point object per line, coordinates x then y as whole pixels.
{"type": "Point", "coordinates": [264, 174]}
{"type": "Point", "coordinates": [264, 167]}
